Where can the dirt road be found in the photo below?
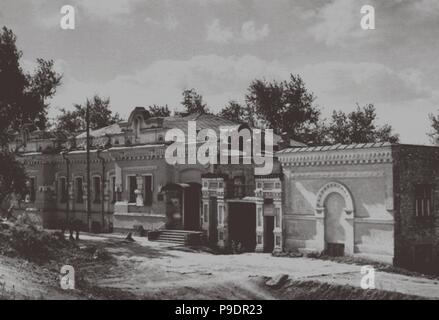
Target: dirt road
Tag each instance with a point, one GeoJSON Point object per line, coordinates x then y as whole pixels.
{"type": "Point", "coordinates": [152, 270]}
{"type": "Point", "coordinates": [157, 270]}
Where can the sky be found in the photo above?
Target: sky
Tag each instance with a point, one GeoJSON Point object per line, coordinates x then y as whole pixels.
{"type": "Point", "coordinates": [142, 52]}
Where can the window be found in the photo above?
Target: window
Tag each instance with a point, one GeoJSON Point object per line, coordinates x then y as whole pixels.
{"type": "Point", "coordinates": [241, 149]}
{"type": "Point", "coordinates": [79, 191]}
{"type": "Point", "coordinates": [32, 191]}
{"type": "Point", "coordinates": [206, 212]}
{"type": "Point", "coordinates": [147, 201]}
{"type": "Point", "coordinates": [113, 190]}
{"type": "Point", "coordinates": [63, 190]}
{"type": "Point", "coordinates": [97, 189]}
{"type": "Point", "coordinates": [239, 187]}
{"type": "Point", "coordinates": [132, 188]}
{"type": "Point", "coordinates": [423, 200]}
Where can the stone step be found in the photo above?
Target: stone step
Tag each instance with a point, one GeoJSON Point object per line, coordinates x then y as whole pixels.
{"type": "Point", "coordinates": [178, 236]}
{"type": "Point", "coordinates": [183, 242]}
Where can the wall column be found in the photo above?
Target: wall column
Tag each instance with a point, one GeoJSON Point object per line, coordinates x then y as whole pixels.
{"type": "Point", "coordinates": [278, 239]}
{"type": "Point", "coordinates": [259, 225]}
{"type": "Point", "coordinates": [223, 236]}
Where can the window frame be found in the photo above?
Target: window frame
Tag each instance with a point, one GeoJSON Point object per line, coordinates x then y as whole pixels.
{"type": "Point", "coordinates": [97, 195]}
{"type": "Point", "coordinates": [424, 200]}
{"type": "Point", "coordinates": [79, 191]}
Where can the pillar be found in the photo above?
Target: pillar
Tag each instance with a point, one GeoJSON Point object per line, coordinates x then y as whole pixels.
{"type": "Point", "coordinates": [259, 225]}
{"type": "Point", "coordinates": [278, 239]}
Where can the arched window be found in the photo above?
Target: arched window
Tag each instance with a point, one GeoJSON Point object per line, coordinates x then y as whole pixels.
{"type": "Point", "coordinates": [97, 189]}
{"type": "Point", "coordinates": [137, 126]}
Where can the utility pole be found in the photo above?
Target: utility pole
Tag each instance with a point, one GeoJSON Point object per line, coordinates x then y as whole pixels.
{"type": "Point", "coordinates": [100, 157]}
{"type": "Point", "coordinates": [67, 160]}
{"type": "Point", "coordinates": [87, 121]}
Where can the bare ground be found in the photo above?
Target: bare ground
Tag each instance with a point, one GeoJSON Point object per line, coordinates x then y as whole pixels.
{"type": "Point", "coordinates": [151, 270]}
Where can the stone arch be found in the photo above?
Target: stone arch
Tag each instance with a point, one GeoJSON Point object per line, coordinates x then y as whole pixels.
{"type": "Point", "coordinates": [347, 221]}
{"type": "Point", "coordinates": [336, 187]}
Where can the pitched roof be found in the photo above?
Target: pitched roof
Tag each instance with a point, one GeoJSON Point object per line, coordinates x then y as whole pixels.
{"type": "Point", "coordinates": [109, 130]}
{"type": "Point", "coordinates": [203, 121]}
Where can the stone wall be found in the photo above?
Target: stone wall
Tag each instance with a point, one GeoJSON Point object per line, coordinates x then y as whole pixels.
{"type": "Point", "coordinates": [364, 178]}
{"type": "Point", "coordinates": [415, 165]}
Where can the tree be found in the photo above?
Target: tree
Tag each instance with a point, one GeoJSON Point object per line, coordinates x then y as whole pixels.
{"type": "Point", "coordinates": [434, 135]}
{"type": "Point", "coordinates": [193, 102]}
{"type": "Point", "coordinates": [23, 97]}
{"type": "Point", "coordinates": [100, 116]}
{"type": "Point", "coordinates": [286, 107]}
{"type": "Point", "coordinates": [359, 126]}
{"type": "Point", "coordinates": [234, 112]}
{"type": "Point", "coordinates": [159, 111]}
{"type": "Point", "coordinates": [12, 176]}
{"type": "Point", "coordinates": [23, 100]}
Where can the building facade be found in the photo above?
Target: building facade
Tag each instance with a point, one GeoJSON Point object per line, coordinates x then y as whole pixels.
{"type": "Point", "coordinates": [379, 201]}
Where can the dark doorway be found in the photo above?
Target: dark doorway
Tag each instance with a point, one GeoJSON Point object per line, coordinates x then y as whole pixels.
{"type": "Point", "coordinates": [192, 199]}
{"type": "Point", "coordinates": [242, 224]}
{"type": "Point", "coordinates": [268, 233]}
{"type": "Point", "coordinates": [173, 196]}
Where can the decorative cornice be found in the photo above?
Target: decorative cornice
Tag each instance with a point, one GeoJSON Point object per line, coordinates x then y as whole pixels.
{"type": "Point", "coordinates": [340, 174]}
{"type": "Point", "coordinates": [336, 157]}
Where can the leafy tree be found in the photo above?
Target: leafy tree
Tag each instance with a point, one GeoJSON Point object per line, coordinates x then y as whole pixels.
{"type": "Point", "coordinates": [234, 112]}
{"type": "Point", "coordinates": [159, 111]}
{"type": "Point", "coordinates": [23, 100]}
{"type": "Point", "coordinates": [23, 96]}
{"type": "Point", "coordinates": [193, 102]}
{"type": "Point", "coordinates": [100, 116]}
{"type": "Point", "coordinates": [434, 135]}
{"type": "Point", "coordinates": [359, 126]}
{"type": "Point", "coordinates": [12, 176]}
{"type": "Point", "coordinates": [286, 107]}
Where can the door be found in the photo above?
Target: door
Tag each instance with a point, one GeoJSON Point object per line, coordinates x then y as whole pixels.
{"type": "Point", "coordinates": [268, 233]}
{"type": "Point", "coordinates": [242, 225]}
{"type": "Point", "coordinates": [192, 203]}
{"type": "Point", "coordinates": [335, 234]}
{"type": "Point", "coordinates": [173, 209]}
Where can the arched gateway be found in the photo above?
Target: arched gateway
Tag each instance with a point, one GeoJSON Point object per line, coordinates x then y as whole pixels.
{"type": "Point", "coordinates": [335, 219]}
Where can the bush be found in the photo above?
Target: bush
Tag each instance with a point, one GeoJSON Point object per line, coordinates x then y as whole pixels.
{"type": "Point", "coordinates": [29, 242]}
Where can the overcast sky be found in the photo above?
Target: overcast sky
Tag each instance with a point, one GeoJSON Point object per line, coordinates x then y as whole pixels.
{"type": "Point", "coordinates": [141, 52]}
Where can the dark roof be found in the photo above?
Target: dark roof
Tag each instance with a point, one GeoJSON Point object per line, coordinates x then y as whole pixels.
{"type": "Point", "coordinates": [337, 147]}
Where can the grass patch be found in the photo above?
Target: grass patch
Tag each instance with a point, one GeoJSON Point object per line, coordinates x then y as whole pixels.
{"type": "Point", "coordinates": [315, 290]}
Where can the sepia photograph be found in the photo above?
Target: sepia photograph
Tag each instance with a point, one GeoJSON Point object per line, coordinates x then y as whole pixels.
{"type": "Point", "coordinates": [219, 154]}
